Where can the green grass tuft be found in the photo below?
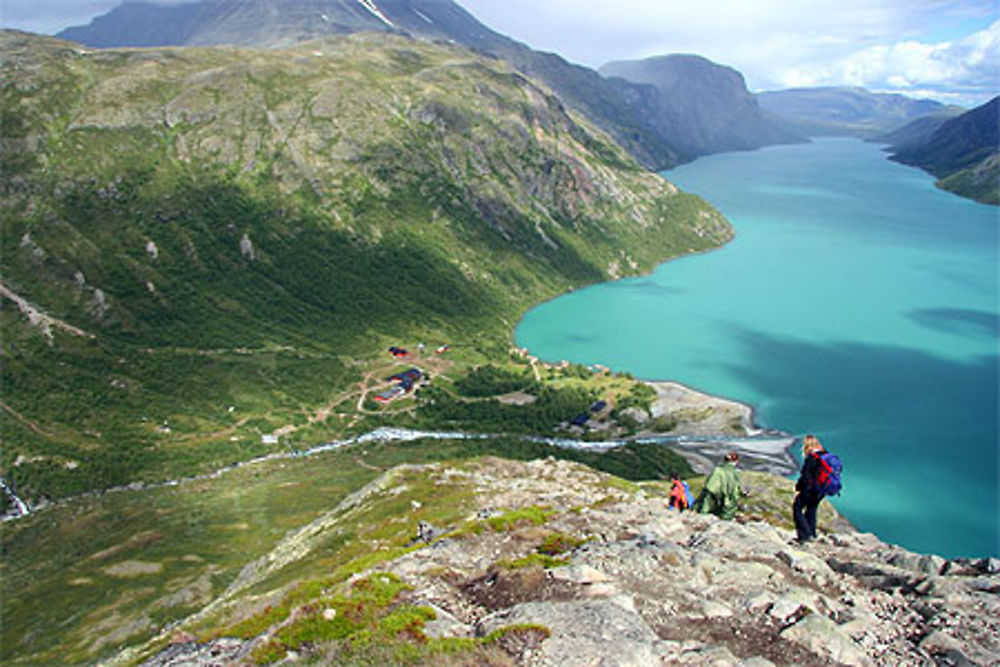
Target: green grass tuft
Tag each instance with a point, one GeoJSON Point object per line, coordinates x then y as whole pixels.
{"type": "Point", "coordinates": [542, 560]}
{"type": "Point", "coordinates": [534, 515]}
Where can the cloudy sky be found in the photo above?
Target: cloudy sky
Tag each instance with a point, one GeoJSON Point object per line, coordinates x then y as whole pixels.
{"type": "Point", "coordinates": [943, 49]}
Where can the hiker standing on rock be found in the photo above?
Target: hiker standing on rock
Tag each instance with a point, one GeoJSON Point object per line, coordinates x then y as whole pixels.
{"type": "Point", "coordinates": [820, 476]}
{"type": "Point", "coordinates": [721, 495]}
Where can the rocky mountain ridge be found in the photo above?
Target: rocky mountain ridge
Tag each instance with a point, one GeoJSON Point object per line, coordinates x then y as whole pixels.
{"type": "Point", "coordinates": [271, 23]}
{"type": "Point", "coordinates": [551, 563]}
{"type": "Point", "coordinates": [639, 117]}
{"type": "Point", "coordinates": [964, 152]}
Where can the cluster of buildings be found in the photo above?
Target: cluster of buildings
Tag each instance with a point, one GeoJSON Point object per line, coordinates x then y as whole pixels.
{"type": "Point", "coordinates": [596, 409]}
{"type": "Point", "coordinates": [404, 383]}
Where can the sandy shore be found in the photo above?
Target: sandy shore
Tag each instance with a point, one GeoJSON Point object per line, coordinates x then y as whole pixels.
{"type": "Point", "coordinates": [698, 413]}
{"type": "Point", "coordinates": [707, 427]}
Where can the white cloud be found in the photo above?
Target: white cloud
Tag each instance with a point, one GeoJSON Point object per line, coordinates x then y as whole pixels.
{"type": "Point", "coordinates": [590, 31]}
{"type": "Point", "coordinates": [774, 43]}
{"type": "Point", "coordinates": [968, 68]}
{"type": "Point", "coordinates": [880, 44]}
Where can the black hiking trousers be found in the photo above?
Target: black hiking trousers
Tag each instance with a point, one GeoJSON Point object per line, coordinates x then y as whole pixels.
{"type": "Point", "coordinates": [804, 513]}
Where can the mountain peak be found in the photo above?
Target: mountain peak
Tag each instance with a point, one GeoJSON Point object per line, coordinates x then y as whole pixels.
{"type": "Point", "coordinates": [263, 23]}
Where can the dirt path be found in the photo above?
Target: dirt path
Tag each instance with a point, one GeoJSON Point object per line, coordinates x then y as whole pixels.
{"type": "Point", "coordinates": [39, 319]}
{"type": "Point", "coordinates": [364, 464]}
{"type": "Point", "coordinates": [214, 434]}
{"type": "Point", "coordinates": [27, 422]}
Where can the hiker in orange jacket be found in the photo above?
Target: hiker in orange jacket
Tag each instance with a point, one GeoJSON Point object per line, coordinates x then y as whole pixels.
{"type": "Point", "coordinates": [678, 495]}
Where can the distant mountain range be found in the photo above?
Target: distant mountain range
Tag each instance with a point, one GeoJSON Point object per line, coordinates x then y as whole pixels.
{"type": "Point", "coordinates": [847, 111]}
{"type": "Point", "coordinates": [660, 126]}
{"type": "Point", "coordinates": [963, 152]}
{"type": "Point", "coordinates": [710, 101]}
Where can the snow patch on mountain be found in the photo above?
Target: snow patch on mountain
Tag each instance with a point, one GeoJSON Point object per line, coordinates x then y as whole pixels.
{"type": "Point", "coordinates": [373, 8]}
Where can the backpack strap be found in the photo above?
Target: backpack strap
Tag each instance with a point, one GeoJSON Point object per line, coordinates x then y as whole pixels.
{"type": "Point", "coordinates": [822, 472]}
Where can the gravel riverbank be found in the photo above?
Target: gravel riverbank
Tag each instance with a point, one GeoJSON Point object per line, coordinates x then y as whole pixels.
{"type": "Point", "coordinates": [710, 426]}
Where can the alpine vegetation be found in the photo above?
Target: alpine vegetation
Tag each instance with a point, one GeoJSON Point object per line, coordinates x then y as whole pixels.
{"type": "Point", "coordinates": [202, 246]}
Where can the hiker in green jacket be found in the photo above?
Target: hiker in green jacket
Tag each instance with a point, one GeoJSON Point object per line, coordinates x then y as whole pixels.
{"type": "Point", "coordinates": [721, 495]}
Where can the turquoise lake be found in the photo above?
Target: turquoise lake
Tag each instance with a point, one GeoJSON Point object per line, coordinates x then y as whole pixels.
{"type": "Point", "coordinates": [857, 302]}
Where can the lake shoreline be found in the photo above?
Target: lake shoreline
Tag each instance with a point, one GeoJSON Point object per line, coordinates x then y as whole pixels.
{"type": "Point", "coordinates": [710, 430]}
{"type": "Point", "coordinates": [846, 307]}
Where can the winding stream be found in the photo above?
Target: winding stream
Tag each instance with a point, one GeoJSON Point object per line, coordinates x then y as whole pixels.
{"type": "Point", "coordinates": [762, 452]}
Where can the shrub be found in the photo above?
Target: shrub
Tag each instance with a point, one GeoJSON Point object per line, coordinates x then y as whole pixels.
{"type": "Point", "coordinates": [559, 543]}
{"type": "Point", "coordinates": [490, 380]}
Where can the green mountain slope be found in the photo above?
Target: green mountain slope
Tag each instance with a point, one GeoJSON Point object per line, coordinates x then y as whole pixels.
{"type": "Point", "coordinates": [200, 246]}
{"type": "Point", "coordinates": [659, 128]}
{"type": "Point", "coordinates": [917, 131]}
{"type": "Point", "coordinates": [963, 152]}
{"type": "Point", "coordinates": [627, 112]}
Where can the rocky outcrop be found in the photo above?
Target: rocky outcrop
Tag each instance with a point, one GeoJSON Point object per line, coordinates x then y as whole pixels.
{"type": "Point", "coordinates": [40, 320]}
{"type": "Point", "coordinates": [645, 586]}
{"type": "Point", "coordinates": [652, 585]}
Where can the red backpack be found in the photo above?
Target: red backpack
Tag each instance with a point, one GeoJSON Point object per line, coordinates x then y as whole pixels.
{"type": "Point", "coordinates": [828, 473]}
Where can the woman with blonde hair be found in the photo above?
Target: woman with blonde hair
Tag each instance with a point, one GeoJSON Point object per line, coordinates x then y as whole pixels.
{"type": "Point", "coordinates": [810, 444]}
{"type": "Point", "coordinates": [807, 493]}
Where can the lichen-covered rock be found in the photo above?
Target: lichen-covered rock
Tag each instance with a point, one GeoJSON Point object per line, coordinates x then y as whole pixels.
{"type": "Point", "coordinates": [192, 654]}
{"type": "Point", "coordinates": [585, 632]}
{"type": "Point", "coordinates": [821, 636]}
{"type": "Point", "coordinates": [644, 586]}
{"type": "Point", "coordinates": [446, 625]}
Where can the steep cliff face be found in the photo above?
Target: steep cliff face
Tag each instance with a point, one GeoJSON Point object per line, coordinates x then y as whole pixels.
{"type": "Point", "coordinates": [915, 132]}
{"type": "Point", "coordinates": [709, 101]}
{"type": "Point", "coordinates": [551, 563]}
